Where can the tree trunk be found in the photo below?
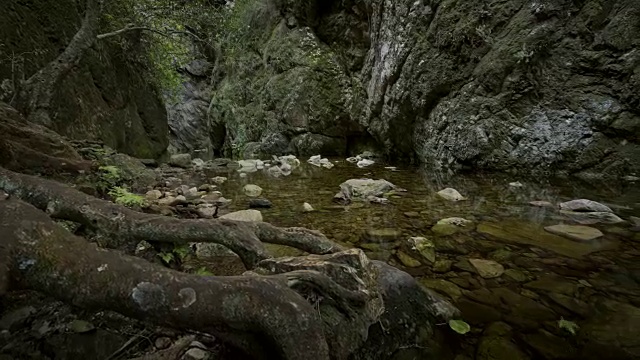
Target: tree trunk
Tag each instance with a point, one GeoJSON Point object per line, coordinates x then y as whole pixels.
{"type": "Point", "coordinates": [259, 314]}
{"type": "Point", "coordinates": [34, 96]}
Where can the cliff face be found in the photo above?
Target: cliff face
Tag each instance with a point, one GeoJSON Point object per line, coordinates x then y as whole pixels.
{"type": "Point", "coordinates": [107, 97]}
{"type": "Point", "coordinates": [535, 85]}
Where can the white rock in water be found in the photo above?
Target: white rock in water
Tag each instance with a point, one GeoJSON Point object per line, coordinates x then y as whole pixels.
{"type": "Point", "coordinates": [252, 190]}
{"type": "Point", "coordinates": [451, 194]}
{"type": "Point", "coordinates": [218, 180]}
{"type": "Point", "coordinates": [244, 215]}
{"type": "Point", "coordinates": [364, 163]}
{"type": "Point", "coordinates": [243, 175]}
{"type": "Point", "coordinates": [516, 184]}
{"type": "Point", "coordinates": [352, 160]}
{"type": "Point", "coordinates": [307, 207]}
{"type": "Point", "coordinates": [291, 160]}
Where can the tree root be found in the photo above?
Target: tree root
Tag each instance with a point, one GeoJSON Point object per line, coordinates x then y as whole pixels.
{"type": "Point", "coordinates": [260, 315]}
{"type": "Point", "coordinates": [117, 225]}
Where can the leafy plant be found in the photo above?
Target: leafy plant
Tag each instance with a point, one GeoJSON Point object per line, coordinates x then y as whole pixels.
{"type": "Point", "coordinates": [182, 251]}
{"type": "Point", "coordinates": [108, 178]}
{"type": "Point", "coordinates": [122, 196]}
{"type": "Point", "coordinates": [203, 271]}
{"type": "Point", "coordinates": [569, 326]}
{"type": "Point", "coordinates": [167, 257]}
{"type": "Point", "coordinates": [459, 326]}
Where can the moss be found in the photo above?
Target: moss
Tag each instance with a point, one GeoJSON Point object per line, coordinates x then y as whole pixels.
{"type": "Point", "coordinates": [124, 197]}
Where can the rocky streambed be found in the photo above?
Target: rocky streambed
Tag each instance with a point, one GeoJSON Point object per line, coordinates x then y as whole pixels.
{"type": "Point", "coordinates": [537, 271]}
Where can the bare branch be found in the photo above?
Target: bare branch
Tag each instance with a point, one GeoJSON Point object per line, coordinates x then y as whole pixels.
{"type": "Point", "coordinates": [167, 33]}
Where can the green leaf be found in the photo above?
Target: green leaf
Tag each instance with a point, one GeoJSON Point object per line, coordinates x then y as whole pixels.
{"type": "Point", "coordinates": [569, 326]}
{"type": "Point", "coordinates": [182, 251]}
{"type": "Point", "coordinates": [459, 326]}
{"type": "Point", "coordinates": [166, 257]}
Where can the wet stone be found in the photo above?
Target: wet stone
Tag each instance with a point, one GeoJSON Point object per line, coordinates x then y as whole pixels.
{"type": "Point", "coordinates": [476, 313]}
{"type": "Point", "coordinates": [442, 286]}
{"type": "Point", "coordinates": [575, 232]}
{"type": "Point", "coordinates": [487, 268]}
{"type": "Point", "coordinates": [442, 266]}
{"type": "Point", "coordinates": [259, 203]}
{"type": "Point", "coordinates": [549, 346]}
{"type": "Point", "coordinates": [407, 260]}
{"type": "Point", "coordinates": [515, 275]}
{"type": "Point", "coordinates": [382, 235]}
{"type": "Point", "coordinates": [584, 205]}
{"type": "Point", "coordinates": [553, 285]}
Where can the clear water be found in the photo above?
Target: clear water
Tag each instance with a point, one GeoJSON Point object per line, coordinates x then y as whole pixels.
{"type": "Point", "coordinates": [583, 282]}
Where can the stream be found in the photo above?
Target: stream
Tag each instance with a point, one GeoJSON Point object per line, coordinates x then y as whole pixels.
{"type": "Point", "coordinates": [544, 284]}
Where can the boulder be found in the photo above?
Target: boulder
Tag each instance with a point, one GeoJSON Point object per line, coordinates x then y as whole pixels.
{"type": "Point", "coordinates": [584, 205]}
{"type": "Point", "coordinates": [252, 190]}
{"type": "Point", "coordinates": [451, 194]}
{"type": "Point", "coordinates": [587, 218]}
{"type": "Point", "coordinates": [180, 160]}
{"type": "Point", "coordinates": [259, 203]}
{"type": "Point", "coordinates": [361, 189]}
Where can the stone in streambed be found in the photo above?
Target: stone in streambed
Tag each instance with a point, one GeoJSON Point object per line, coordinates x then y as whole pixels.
{"type": "Point", "coordinates": [306, 207]}
{"type": "Point", "coordinates": [451, 194]}
{"type": "Point", "coordinates": [153, 195]}
{"type": "Point", "coordinates": [425, 247]}
{"type": "Point", "coordinates": [588, 218]}
{"type": "Point", "coordinates": [575, 232]}
{"type": "Point", "coordinates": [487, 268]}
{"type": "Point", "coordinates": [259, 203]}
{"type": "Point", "coordinates": [180, 160]}
{"type": "Point", "coordinates": [442, 286]}
{"type": "Point", "coordinates": [585, 206]}
{"type": "Point", "coordinates": [407, 260]}
{"type": "Point", "coordinates": [252, 190]}
{"type": "Point", "coordinates": [450, 226]}
{"type": "Point", "coordinates": [382, 235]}
{"type": "Point", "coordinates": [539, 203]}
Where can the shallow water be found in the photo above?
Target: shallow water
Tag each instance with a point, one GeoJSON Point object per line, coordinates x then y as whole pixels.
{"type": "Point", "coordinates": [546, 278]}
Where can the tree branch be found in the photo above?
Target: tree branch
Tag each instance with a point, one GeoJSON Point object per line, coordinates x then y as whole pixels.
{"type": "Point", "coordinates": [144, 28]}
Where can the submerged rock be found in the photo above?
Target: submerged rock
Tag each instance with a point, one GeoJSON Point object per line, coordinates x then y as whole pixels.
{"type": "Point", "coordinates": [407, 260]}
{"type": "Point", "coordinates": [259, 203]}
{"type": "Point", "coordinates": [539, 203]}
{"type": "Point", "coordinates": [584, 205]}
{"type": "Point", "coordinates": [522, 232]}
{"type": "Point", "coordinates": [364, 189]}
{"type": "Point", "coordinates": [382, 235]}
{"type": "Point", "coordinates": [252, 190]}
{"type": "Point", "coordinates": [425, 247]}
{"type": "Point", "coordinates": [318, 161]}
{"type": "Point", "coordinates": [450, 226]}
{"type": "Point", "coordinates": [487, 268]}
{"type": "Point", "coordinates": [575, 232]}
{"type": "Point", "coordinates": [451, 194]}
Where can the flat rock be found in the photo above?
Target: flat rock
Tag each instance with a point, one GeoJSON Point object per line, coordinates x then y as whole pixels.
{"type": "Point", "coordinates": [539, 203]}
{"type": "Point", "coordinates": [575, 232]}
{"type": "Point", "coordinates": [526, 233]}
{"type": "Point", "coordinates": [584, 205]}
{"type": "Point", "coordinates": [499, 348]}
{"type": "Point", "coordinates": [487, 268]}
{"type": "Point", "coordinates": [244, 215]}
{"type": "Point", "coordinates": [443, 286]}
{"type": "Point", "coordinates": [451, 194]}
{"type": "Point", "coordinates": [252, 190]}
{"type": "Point", "coordinates": [553, 284]}
{"type": "Point", "coordinates": [407, 260]}
{"type": "Point", "coordinates": [612, 333]}
{"type": "Point", "coordinates": [587, 218]}
{"type": "Point", "coordinates": [260, 203]}
{"type": "Point", "coordinates": [515, 275]}
{"type": "Point", "coordinates": [382, 235]}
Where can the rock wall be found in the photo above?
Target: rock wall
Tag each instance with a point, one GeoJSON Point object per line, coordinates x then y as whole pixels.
{"type": "Point", "coordinates": [543, 85]}
{"type": "Point", "coordinates": [108, 97]}
{"type": "Point", "coordinates": [540, 85]}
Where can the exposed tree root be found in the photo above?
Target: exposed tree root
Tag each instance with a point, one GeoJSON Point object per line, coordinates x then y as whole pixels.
{"type": "Point", "coordinates": [259, 314]}
{"type": "Point", "coordinates": [117, 225]}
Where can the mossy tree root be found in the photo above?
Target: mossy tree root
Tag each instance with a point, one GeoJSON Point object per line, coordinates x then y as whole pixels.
{"type": "Point", "coordinates": [117, 225]}
{"type": "Point", "coordinates": [259, 314]}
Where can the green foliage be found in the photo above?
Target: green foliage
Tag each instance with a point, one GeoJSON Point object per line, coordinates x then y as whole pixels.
{"type": "Point", "coordinates": [122, 196]}
{"type": "Point", "coordinates": [166, 257]}
{"type": "Point", "coordinates": [181, 251]}
{"type": "Point", "coordinates": [203, 271]}
{"type": "Point", "coordinates": [570, 326]}
{"type": "Point", "coordinates": [459, 326]}
{"type": "Point", "coordinates": [109, 177]}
